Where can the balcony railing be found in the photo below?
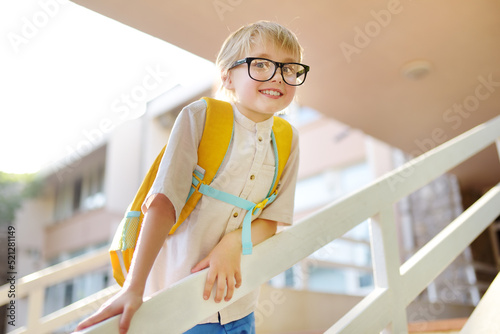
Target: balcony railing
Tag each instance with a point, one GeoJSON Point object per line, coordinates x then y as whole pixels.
{"type": "Point", "coordinates": [34, 285]}
{"type": "Point", "coordinates": [181, 306]}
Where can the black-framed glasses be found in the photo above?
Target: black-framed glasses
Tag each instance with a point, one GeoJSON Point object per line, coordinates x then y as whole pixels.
{"type": "Point", "coordinates": [263, 69]}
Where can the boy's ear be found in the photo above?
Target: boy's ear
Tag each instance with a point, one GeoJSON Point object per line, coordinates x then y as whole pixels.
{"type": "Point", "coordinates": [227, 81]}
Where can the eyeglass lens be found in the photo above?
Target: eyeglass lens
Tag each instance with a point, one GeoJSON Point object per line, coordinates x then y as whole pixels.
{"type": "Point", "coordinates": [263, 70]}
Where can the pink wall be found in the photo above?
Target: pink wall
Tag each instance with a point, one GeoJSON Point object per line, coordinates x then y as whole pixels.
{"type": "Point", "coordinates": [327, 143]}
{"type": "Point", "coordinates": [79, 232]}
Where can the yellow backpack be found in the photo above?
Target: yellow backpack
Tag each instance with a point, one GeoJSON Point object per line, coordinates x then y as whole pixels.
{"type": "Point", "coordinates": [215, 141]}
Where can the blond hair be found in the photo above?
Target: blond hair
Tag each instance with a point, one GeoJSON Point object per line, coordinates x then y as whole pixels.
{"type": "Point", "coordinates": [240, 43]}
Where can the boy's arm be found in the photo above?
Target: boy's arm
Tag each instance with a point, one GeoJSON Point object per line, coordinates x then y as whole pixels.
{"type": "Point", "coordinates": [224, 260]}
{"type": "Point", "coordinates": [157, 223]}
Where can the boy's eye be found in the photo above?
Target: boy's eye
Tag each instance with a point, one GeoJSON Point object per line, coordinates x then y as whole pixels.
{"type": "Point", "coordinates": [289, 70]}
{"type": "Point", "coordinates": [261, 64]}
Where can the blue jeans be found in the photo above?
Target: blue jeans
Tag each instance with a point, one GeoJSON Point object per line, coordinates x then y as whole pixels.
{"type": "Point", "coordinates": [245, 325]}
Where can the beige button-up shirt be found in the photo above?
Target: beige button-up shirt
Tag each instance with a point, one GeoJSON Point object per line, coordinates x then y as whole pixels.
{"type": "Point", "coordinates": [247, 172]}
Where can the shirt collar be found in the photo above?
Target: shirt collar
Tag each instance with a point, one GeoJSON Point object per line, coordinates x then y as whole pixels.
{"type": "Point", "coordinates": [249, 124]}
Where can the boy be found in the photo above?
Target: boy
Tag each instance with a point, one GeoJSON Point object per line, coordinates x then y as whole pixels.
{"type": "Point", "coordinates": [260, 70]}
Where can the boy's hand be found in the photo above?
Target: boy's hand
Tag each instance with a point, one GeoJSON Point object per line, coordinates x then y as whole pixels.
{"type": "Point", "coordinates": [224, 267]}
{"type": "Point", "coordinates": [126, 302]}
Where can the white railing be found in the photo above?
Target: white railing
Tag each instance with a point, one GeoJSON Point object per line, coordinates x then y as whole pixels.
{"type": "Point", "coordinates": [33, 287]}
{"type": "Point", "coordinates": [484, 319]}
{"type": "Point", "coordinates": [180, 307]}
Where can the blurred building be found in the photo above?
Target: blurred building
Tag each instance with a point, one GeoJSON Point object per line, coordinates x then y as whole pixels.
{"type": "Point", "coordinates": [84, 199]}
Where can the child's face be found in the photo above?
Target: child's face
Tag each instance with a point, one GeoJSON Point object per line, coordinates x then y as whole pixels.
{"type": "Point", "coordinates": [261, 100]}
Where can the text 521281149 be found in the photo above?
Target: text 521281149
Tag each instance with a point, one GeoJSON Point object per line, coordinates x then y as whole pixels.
{"type": "Point", "coordinates": [11, 275]}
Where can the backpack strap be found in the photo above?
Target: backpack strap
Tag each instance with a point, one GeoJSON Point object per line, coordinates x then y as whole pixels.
{"type": "Point", "coordinates": [211, 151]}
{"type": "Point", "coordinates": [283, 135]}
{"type": "Point", "coordinates": [214, 143]}
{"type": "Point", "coordinates": [281, 138]}
{"type": "Point", "coordinates": [282, 147]}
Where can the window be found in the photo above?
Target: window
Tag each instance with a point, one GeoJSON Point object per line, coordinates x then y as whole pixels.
{"type": "Point", "coordinates": [93, 194]}
{"type": "Point", "coordinates": [81, 194]}
{"type": "Point", "coordinates": [319, 190]}
{"type": "Point", "coordinates": [331, 280]}
{"type": "Point", "coordinates": [77, 194]}
{"type": "Point", "coordinates": [64, 201]}
{"type": "Point", "coordinates": [343, 265]}
{"type": "Point", "coordinates": [68, 293]}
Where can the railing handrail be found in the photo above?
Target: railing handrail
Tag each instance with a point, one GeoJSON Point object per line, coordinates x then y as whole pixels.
{"type": "Point", "coordinates": [174, 308]}
{"type": "Point", "coordinates": [70, 313]}
{"type": "Point", "coordinates": [484, 319]}
{"type": "Point", "coordinates": [56, 273]}
{"type": "Point", "coordinates": [33, 286]}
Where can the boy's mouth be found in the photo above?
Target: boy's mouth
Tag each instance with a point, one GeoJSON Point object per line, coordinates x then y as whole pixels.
{"type": "Point", "coordinates": [271, 92]}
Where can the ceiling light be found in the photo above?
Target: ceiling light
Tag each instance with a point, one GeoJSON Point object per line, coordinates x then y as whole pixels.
{"type": "Point", "coordinates": [416, 69]}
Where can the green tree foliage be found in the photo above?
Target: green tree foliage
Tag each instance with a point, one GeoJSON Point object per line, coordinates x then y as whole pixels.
{"type": "Point", "coordinates": [14, 189]}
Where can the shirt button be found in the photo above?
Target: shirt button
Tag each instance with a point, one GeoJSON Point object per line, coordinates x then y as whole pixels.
{"type": "Point", "coordinates": [252, 177]}
{"type": "Point", "coordinates": [235, 214]}
{"type": "Point", "coordinates": [260, 138]}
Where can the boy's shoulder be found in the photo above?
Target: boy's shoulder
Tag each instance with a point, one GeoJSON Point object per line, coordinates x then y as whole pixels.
{"type": "Point", "coordinates": [199, 107]}
{"type": "Point", "coordinates": [194, 113]}
{"type": "Point", "coordinates": [196, 107]}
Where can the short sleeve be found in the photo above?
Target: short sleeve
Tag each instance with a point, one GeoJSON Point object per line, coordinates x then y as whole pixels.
{"type": "Point", "coordinates": [174, 175]}
{"type": "Point", "coordinates": [281, 210]}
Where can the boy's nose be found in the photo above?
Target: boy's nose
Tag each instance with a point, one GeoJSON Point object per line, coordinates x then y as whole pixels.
{"type": "Point", "coordinates": [279, 74]}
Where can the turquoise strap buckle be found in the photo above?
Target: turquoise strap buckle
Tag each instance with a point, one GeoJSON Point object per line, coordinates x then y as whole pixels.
{"type": "Point", "coordinates": [132, 214]}
{"type": "Point", "coordinates": [252, 208]}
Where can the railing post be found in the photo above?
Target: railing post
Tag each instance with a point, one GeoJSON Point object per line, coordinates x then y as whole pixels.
{"type": "Point", "coordinates": [35, 308]}
{"type": "Point", "coordinates": [495, 241]}
{"type": "Point", "coordinates": [497, 142]}
{"type": "Point", "coordinates": [494, 228]}
{"type": "Point", "coordinates": [386, 263]}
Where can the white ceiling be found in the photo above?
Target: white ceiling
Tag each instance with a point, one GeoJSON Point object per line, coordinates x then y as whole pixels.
{"type": "Point", "coordinates": [357, 51]}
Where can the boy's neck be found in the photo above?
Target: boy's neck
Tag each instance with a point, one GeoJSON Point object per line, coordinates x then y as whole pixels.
{"type": "Point", "coordinates": [256, 117]}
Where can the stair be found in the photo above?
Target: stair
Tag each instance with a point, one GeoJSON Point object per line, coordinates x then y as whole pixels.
{"type": "Point", "coordinates": [448, 326]}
